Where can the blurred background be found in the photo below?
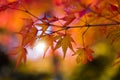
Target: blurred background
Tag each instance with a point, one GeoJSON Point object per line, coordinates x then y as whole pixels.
{"type": "Point", "coordinates": [54, 67]}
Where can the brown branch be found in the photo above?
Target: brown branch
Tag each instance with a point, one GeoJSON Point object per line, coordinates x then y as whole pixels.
{"type": "Point", "coordinates": [93, 25]}
{"type": "Point", "coordinates": [16, 9]}
{"type": "Point", "coordinates": [66, 27]}
{"type": "Point", "coordinates": [26, 11]}
{"type": "Point", "coordinates": [83, 40]}
{"type": "Point", "coordinates": [86, 25]}
{"type": "Point", "coordinates": [82, 5]}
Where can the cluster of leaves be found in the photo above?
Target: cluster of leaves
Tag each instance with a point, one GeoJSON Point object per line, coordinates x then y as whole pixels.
{"type": "Point", "coordinates": [93, 13]}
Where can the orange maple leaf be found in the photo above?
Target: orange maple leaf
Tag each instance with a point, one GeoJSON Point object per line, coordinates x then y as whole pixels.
{"type": "Point", "coordinates": [84, 55]}
{"type": "Point", "coordinates": [65, 42]}
{"type": "Point", "coordinates": [49, 39]}
{"type": "Point", "coordinates": [30, 37]}
{"type": "Point", "coordinates": [21, 53]}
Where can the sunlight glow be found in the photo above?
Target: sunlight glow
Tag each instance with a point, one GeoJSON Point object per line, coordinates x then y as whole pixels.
{"type": "Point", "coordinates": [37, 51]}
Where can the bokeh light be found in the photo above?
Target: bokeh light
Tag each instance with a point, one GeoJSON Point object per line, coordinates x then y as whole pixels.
{"type": "Point", "coordinates": [37, 51]}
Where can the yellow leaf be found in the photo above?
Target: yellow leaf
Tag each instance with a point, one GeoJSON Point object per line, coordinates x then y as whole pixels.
{"type": "Point", "coordinates": [84, 55]}
{"type": "Point", "coordinates": [49, 39]}
{"type": "Point", "coordinates": [65, 42]}
{"type": "Point", "coordinates": [58, 45]}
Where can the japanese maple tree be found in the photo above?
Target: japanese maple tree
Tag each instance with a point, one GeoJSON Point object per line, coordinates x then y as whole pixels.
{"type": "Point", "coordinates": [66, 24]}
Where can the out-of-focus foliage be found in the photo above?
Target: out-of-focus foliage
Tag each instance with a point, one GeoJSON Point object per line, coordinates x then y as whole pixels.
{"type": "Point", "coordinates": [101, 67]}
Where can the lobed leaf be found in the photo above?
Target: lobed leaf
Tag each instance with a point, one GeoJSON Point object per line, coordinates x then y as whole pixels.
{"type": "Point", "coordinates": [21, 56]}
{"type": "Point", "coordinates": [49, 39]}
{"type": "Point", "coordinates": [65, 42]}
{"type": "Point", "coordinates": [21, 53]}
{"type": "Point", "coordinates": [30, 37]}
{"type": "Point", "coordinates": [84, 55]}
{"type": "Point", "coordinates": [26, 28]}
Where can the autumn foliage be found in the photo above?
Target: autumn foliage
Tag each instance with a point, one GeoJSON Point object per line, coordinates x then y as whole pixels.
{"type": "Point", "coordinates": [65, 24]}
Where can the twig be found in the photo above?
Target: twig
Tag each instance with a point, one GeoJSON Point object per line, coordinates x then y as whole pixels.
{"type": "Point", "coordinates": [83, 36]}
{"type": "Point", "coordinates": [86, 25]}
{"type": "Point", "coordinates": [97, 13]}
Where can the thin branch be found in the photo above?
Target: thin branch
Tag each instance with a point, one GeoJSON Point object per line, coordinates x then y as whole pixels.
{"type": "Point", "coordinates": [86, 25]}
{"type": "Point", "coordinates": [66, 27]}
{"type": "Point", "coordinates": [16, 9]}
{"type": "Point", "coordinates": [26, 11]}
{"type": "Point", "coordinates": [97, 13]}
{"type": "Point", "coordinates": [57, 31]}
{"type": "Point", "coordinates": [83, 40]}
{"type": "Point", "coordinates": [23, 6]}
{"type": "Point", "coordinates": [33, 15]}
{"type": "Point", "coordinates": [94, 25]}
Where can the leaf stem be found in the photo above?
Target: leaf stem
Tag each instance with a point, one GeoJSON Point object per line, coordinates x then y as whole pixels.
{"type": "Point", "coordinates": [83, 40]}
